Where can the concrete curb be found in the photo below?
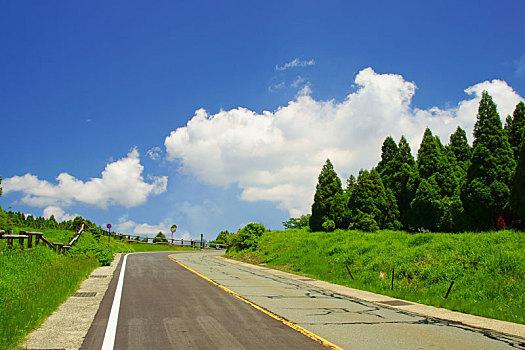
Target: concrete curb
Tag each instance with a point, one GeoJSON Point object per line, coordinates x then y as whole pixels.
{"type": "Point", "coordinates": [68, 325]}
{"type": "Point", "coordinates": [509, 328]}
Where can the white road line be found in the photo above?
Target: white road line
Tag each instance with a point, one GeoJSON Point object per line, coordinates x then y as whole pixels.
{"type": "Point", "coordinates": [111, 329]}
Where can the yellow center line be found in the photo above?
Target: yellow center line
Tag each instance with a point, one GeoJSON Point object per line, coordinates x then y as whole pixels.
{"type": "Point", "coordinates": [267, 312]}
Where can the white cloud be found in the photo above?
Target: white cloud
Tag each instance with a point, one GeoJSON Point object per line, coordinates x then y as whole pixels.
{"type": "Point", "coordinates": [121, 183]}
{"type": "Point", "coordinates": [277, 156]}
{"type": "Point", "coordinates": [298, 81]}
{"type": "Point", "coordinates": [154, 153]}
{"type": "Point", "coordinates": [295, 63]}
{"type": "Point", "coordinates": [59, 213]}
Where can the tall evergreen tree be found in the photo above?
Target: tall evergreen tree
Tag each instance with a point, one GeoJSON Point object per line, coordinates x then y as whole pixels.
{"type": "Point", "coordinates": [389, 158]}
{"type": "Point", "coordinates": [515, 126]}
{"type": "Point", "coordinates": [489, 175]}
{"type": "Point", "coordinates": [426, 209]}
{"type": "Point", "coordinates": [398, 173]}
{"type": "Point", "coordinates": [329, 200]}
{"type": "Point", "coordinates": [371, 205]}
{"type": "Point", "coordinates": [517, 192]}
{"type": "Point", "coordinates": [428, 155]}
{"type": "Point", "coordinates": [459, 146]}
{"type": "Point", "coordinates": [408, 179]}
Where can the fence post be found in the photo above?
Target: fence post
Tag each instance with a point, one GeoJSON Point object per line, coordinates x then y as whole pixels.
{"type": "Point", "coordinates": [449, 288]}
{"type": "Point", "coordinates": [392, 284]}
{"type": "Point", "coordinates": [29, 240]}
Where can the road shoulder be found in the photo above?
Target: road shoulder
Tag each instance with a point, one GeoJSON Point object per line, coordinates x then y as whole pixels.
{"type": "Point", "coordinates": [509, 328]}
{"type": "Point", "coordinates": [68, 325]}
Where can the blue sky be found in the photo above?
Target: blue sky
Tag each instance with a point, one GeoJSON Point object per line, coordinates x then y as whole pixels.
{"type": "Point", "coordinates": [154, 113]}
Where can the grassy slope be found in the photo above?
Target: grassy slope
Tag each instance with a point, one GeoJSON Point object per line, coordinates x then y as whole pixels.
{"type": "Point", "coordinates": [488, 268]}
{"type": "Point", "coordinates": [34, 283]}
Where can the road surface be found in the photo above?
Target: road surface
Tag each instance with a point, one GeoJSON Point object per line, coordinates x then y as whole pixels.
{"type": "Point", "coordinates": [166, 306]}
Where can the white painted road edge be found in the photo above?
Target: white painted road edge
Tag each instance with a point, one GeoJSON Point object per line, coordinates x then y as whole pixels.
{"type": "Point", "coordinates": [111, 329]}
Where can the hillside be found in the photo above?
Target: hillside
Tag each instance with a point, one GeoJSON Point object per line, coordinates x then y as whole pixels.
{"type": "Point", "coordinates": [487, 268]}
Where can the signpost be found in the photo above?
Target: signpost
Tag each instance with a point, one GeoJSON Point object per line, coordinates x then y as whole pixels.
{"type": "Point", "coordinates": [173, 228]}
{"type": "Point", "coordinates": [109, 233]}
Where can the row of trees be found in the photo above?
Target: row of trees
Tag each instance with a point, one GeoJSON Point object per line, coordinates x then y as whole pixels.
{"type": "Point", "coordinates": [451, 188]}
{"type": "Point", "coordinates": [10, 219]}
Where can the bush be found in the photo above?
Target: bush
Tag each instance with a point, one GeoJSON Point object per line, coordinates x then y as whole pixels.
{"type": "Point", "coordinates": [247, 237]}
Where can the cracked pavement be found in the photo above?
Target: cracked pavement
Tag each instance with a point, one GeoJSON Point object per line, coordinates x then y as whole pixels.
{"type": "Point", "coordinates": [348, 321]}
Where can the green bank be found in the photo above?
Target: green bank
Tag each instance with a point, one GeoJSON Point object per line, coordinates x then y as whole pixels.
{"type": "Point", "coordinates": [488, 269]}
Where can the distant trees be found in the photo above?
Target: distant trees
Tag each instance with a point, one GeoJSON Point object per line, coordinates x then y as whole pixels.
{"type": "Point", "coordinates": [453, 187]}
{"type": "Point", "coordinates": [301, 222]}
{"type": "Point", "coordinates": [160, 238]}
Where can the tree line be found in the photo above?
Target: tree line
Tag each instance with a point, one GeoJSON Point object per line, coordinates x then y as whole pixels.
{"type": "Point", "coordinates": [449, 188]}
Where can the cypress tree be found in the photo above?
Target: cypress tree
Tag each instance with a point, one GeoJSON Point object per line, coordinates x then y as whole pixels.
{"type": "Point", "coordinates": [517, 193]}
{"type": "Point", "coordinates": [489, 174]}
{"type": "Point", "coordinates": [460, 148]}
{"type": "Point", "coordinates": [426, 208]}
{"type": "Point", "coordinates": [408, 179]}
{"type": "Point", "coordinates": [389, 159]}
{"type": "Point", "coordinates": [515, 126]}
{"type": "Point", "coordinates": [329, 200]}
{"type": "Point", "coordinates": [371, 205]}
{"type": "Point", "coordinates": [428, 155]}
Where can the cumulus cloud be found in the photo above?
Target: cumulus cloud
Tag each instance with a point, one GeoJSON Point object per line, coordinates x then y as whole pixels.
{"type": "Point", "coordinates": [144, 229]}
{"type": "Point", "coordinates": [59, 213]}
{"type": "Point", "coordinates": [121, 183]}
{"type": "Point", "coordinates": [277, 156]}
{"type": "Point", "coordinates": [295, 63]}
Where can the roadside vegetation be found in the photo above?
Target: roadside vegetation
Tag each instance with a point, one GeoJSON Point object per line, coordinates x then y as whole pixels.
{"type": "Point", "coordinates": [454, 203]}
{"type": "Point", "coordinates": [487, 267]}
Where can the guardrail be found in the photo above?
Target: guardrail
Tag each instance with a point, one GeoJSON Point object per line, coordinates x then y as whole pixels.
{"type": "Point", "coordinates": [39, 237]}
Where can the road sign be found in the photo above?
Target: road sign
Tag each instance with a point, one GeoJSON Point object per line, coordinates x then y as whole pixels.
{"type": "Point", "coordinates": [173, 228]}
{"type": "Point", "coordinates": [108, 226]}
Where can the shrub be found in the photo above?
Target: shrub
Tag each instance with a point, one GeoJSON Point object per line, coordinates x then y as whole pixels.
{"type": "Point", "coordinates": [247, 237]}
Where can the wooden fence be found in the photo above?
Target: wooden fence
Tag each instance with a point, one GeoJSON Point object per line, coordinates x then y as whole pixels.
{"type": "Point", "coordinates": [61, 247]}
{"type": "Point", "coordinates": [39, 237]}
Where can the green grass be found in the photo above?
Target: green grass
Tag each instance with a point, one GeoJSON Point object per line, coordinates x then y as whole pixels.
{"type": "Point", "coordinates": [488, 268]}
{"type": "Point", "coordinates": [33, 283]}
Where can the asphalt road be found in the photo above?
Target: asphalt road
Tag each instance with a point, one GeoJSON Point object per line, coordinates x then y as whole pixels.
{"type": "Point", "coordinates": [165, 306]}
